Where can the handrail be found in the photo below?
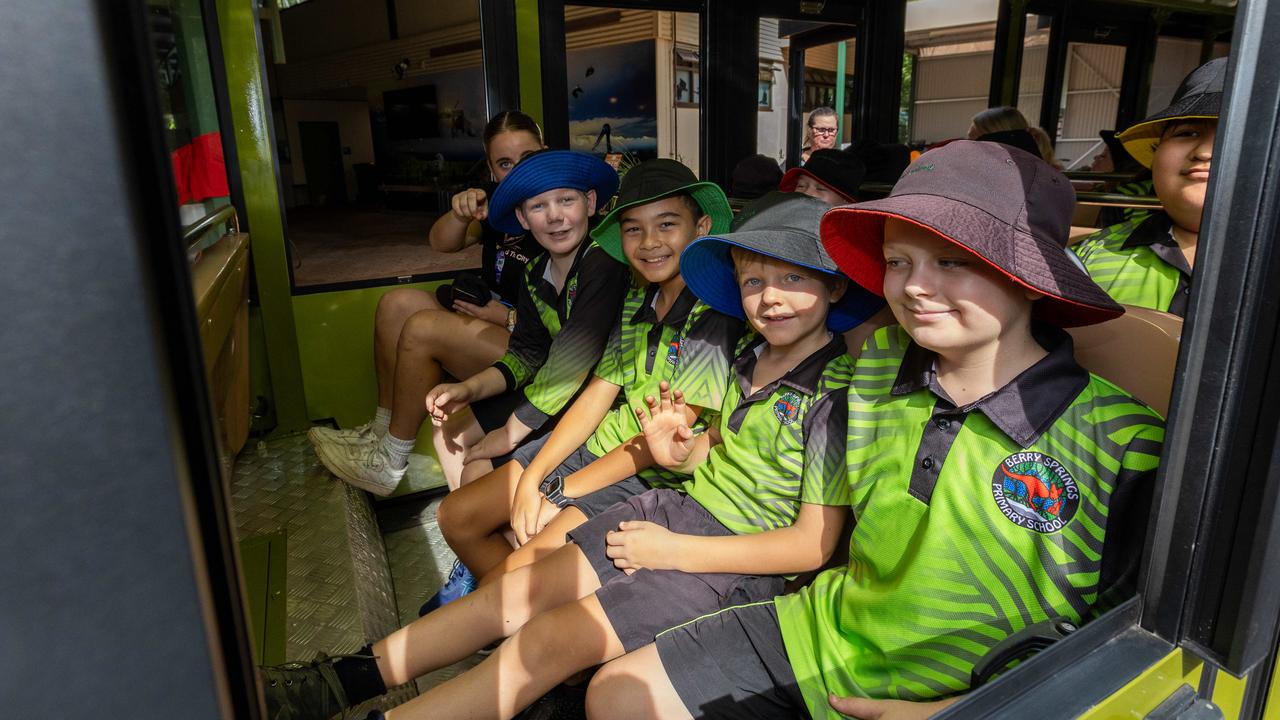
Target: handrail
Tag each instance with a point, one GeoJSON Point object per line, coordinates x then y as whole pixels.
{"type": "Point", "coordinates": [219, 215]}
{"type": "Point", "coordinates": [1083, 197]}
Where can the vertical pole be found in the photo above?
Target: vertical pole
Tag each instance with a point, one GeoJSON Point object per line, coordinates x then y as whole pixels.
{"type": "Point", "coordinates": [795, 105]}
{"type": "Point", "coordinates": [528, 48]}
{"type": "Point", "coordinates": [251, 118]}
{"type": "Point", "coordinates": [1006, 62]}
{"type": "Point", "coordinates": [842, 49]}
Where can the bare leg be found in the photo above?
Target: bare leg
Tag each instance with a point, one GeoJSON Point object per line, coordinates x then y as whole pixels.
{"type": "Point", "coordinates": [458, 629]}
{"type": "Point", "coordinates": [473, 517]}
{"type": "Point", "coordinates": [433, 341]}
{"type": "Point", "coordinates": [550, 648]}
{"type": "Point", "coordinates": [634, 686]}
{"type": "Point", "coordinates": [543, 544]}
{"type": "Point", "coordinates": [394, 308]}
{"type": "Point", "coordinates": [458, 433]}
{"type": "Point", "coordinates": [475, 470]}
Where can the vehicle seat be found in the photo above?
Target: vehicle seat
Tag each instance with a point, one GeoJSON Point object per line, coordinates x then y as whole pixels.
{"type": "Point", "coordinates": [1137, 351]}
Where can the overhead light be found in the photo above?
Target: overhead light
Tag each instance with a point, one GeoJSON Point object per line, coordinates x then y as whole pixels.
{"type": "Point", "coordinates": [812, 7]}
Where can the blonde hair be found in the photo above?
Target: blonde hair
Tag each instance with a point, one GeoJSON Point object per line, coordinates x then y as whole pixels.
{"type": "Point", "coordinates": [1044, 145]}
{"type": "Point", "coordinates": [999, 119]}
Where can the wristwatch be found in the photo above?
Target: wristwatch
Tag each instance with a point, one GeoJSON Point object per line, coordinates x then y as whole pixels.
{"type": "Point", "coordinates": [553, 490]}
{"type": "Point", "coordinates": [511, 319]}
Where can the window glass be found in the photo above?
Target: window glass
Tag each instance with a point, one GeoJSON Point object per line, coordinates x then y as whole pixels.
{"type": "Point", "coordinates": [190, 113]}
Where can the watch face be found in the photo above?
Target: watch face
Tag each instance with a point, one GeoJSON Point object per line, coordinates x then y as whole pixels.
{"type": "Point", "coordinates": [552, 485]}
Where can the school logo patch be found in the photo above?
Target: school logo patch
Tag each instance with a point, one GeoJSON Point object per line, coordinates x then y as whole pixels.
{"type": "Point", "coordinates": [787, 408]}
{"type": "Point", "coordinates": [673, 351]}
{"type": "Point", "coordinates": [1035, 491]}
{"type": "Point", "coordinates": [571, 292]}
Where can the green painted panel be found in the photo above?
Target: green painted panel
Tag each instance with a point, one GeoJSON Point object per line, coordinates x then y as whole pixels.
{"type": "Point", "coordinates": [250, 117]}
{"type": "Point", "coordinates": [262, 561]}
{"type": "Point", "coordinates": [335, 341]}
{"type": "Point", "coordinates": [529, 49]}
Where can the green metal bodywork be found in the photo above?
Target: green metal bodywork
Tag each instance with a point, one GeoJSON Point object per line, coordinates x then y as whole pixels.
{"type": "Point", "coordinates": [262, 562]}
{"type": "Point", "coordinates": [335, 341]}
{"type": "Point", "coordinates": [529, 50]}
{"type": "Point", "coordinates": [238, 28]}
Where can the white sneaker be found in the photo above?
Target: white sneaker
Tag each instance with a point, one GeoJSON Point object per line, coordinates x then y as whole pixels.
{"type": "Point", "coordinates": [359, 435]}
{"type": "Point", "coordinates": [364, 466]}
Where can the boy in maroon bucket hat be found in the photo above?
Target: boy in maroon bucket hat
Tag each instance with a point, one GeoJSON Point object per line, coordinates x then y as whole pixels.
{"type": "Point", "coordinates": [996, 483]}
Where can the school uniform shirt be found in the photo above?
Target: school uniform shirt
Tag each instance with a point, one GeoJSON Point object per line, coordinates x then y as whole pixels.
{"type": "Point", "coordinates": [1139, 263]}
{"type": "Point", "coordinates": [559, 336]}
{"type": "Point", "coordinates": [781, 446]}
{"type": "Point", "coordinates": [504, 258]}
{"type": "Point", "coordinates": [971, 522]}
{"type": "Point", "coordinates": [691, 348]}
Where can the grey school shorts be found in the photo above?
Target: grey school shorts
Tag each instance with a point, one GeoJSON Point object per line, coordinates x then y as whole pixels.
{"type": "Point", "coordinates": [591, 504]}
{"type": "Point", "coordinates": [733, 665]}
{"type": "Point", "coordinates": [641, 605]}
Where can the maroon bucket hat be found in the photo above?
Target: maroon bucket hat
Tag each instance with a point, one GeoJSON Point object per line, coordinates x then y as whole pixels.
{"type": "Point", "coordinates": [1007, 207]}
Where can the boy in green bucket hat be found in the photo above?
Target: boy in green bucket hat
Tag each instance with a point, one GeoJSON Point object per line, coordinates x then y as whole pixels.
{"type": "Point", "coordinates": [595, 458]}
{"type": "Point", "coordinates": [1148, 260]}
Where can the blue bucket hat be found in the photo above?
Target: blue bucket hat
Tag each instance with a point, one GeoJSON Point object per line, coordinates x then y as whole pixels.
{"type": "Point", "coordinates": [549, 170]}
{"type": "Point", "coordinates": [779, 225]}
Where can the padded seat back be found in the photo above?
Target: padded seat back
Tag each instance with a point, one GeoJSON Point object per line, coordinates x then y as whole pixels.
{"type": "Point", "coordinates": [1137, 351]}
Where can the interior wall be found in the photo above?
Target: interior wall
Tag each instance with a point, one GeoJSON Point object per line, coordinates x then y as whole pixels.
{"type": "Point", "coordinates": [414, 17]}
{"type": "Point", "coordinates": [353, 132]}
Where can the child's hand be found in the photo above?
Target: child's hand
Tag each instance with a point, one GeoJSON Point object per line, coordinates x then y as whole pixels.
{"type": "Point", "coordinates": [470, 205]}
{"type": "Point", "coordinates": [666, 429]}
{"type": "Point", "coordinates": [446, 399]}
{"type": "Point", "coordinates": [526, 511]}
{"type": "Point", "coordinates": [640, 544]}
{"type": "Point", "coordinates": [491, 312]}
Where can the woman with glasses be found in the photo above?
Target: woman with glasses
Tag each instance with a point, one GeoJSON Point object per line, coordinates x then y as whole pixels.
{"type": "Point", "coordinates": [820, 132]}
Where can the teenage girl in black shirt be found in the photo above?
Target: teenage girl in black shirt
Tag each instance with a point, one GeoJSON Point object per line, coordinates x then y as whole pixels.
{"type": "Point", "coordinates": [416, 340]}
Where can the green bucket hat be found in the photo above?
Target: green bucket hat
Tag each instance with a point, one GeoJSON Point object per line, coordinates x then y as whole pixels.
{"type": "Point", "coordinates": [653, 180]}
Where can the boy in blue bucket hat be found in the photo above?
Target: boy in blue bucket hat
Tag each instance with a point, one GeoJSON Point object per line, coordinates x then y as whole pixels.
{"type": "Point", "coordinates": [768, 498]}
{"type": "Point", "coordinates": [567, 306]}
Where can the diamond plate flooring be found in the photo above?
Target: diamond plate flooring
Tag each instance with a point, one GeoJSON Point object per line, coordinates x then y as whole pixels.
{"type": "Point", "coordinates": [347, 584]}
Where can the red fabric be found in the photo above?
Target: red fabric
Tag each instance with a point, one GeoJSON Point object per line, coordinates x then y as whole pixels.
{"type": "Point", "coordinates": [199, 169]}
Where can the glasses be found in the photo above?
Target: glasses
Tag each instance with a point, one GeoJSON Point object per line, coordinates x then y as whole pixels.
{"type": "Point", "coordinates": [822, 130]}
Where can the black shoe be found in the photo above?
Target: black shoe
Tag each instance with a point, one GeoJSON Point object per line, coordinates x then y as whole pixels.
{"type": "Point", "coordinates": [303, 690]}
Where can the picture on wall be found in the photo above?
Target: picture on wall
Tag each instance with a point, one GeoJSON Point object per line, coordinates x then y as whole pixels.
{"type": "Point", "coordinates": [613, 100]}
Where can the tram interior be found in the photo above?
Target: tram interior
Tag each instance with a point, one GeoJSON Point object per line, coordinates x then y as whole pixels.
{"type": "Point", "coordinates": [376, 112]}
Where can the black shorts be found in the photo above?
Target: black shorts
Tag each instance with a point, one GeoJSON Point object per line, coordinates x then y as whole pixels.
{"type": "Point", "coordinates": [733, 665]}
{"type": "Point", "coordinates": [592, 504]}
{"type": "Point", "coordinates": [641, 605]}
{"type": "Point", "coordinates": [492, 413]}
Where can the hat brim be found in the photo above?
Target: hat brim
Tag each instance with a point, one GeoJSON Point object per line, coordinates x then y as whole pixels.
{"type": "Point", "coordinates": [708, 195]}
{"type": "Point", "coordinates": [549, 170]}
{"type": "Point", "coordinates": [707, 268]}
{"type": "Point", "coordinates": [791, 177]}
{"type": "Point", "coordinates": [1140, 140]}
{"type": "Point", "coordinates": [854, 236]}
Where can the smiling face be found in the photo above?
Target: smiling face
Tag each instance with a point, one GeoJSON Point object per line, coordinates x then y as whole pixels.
{"type": "Point", "coordinates": [1180, 169]}
{"type": "Point", "coordinates": [823, 131]}
{"type": "Point", "coordinates": [785, 303]}
{"type": "Point", "coordinates": [949, 300]}
{"type": "Point", "coordinates": [811, 186]}
{"type": "Point", "coordinates": [558, 218]}
{"type": "Point", "coordinates": [654, 234]}
{"type": "Point", "coordinates": [508, 148]}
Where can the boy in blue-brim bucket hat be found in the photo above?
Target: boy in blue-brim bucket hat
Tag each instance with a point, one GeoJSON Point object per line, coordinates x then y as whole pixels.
{"type": "Point", "coordinates": [549, 170]}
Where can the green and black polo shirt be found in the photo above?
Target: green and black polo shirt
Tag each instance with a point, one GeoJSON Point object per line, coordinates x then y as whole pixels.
{"type": "Point", "coordinates": [972, 522]}
{"type": "Point", "coordinates": [1139, 263]}
{"type": "Point", "coordinates": [559, 335]}
{"type": "Point", "coordinates": [780, 446]}
{"type": "Point", "coordinates": [691, 348]}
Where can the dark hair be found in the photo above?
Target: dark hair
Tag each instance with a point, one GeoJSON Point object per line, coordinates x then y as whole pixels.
{"type": "Point", "coordinates": [511, 121]}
